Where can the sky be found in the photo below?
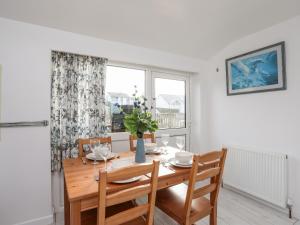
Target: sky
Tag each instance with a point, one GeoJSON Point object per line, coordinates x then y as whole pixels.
{"type": "Point", "coordinates": [123, 80]}
{"type": "Point", "coordinates": [167, 86]}
{"type": "Point", "coordinates": [119, 79]}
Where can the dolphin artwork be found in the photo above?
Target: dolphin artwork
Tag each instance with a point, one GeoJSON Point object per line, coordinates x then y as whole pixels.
{"type": "Point", "coordinates": [256, 71]}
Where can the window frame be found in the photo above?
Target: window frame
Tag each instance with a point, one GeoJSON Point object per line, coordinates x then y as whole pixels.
{"type": "Point", "coordinates": [151, 73]}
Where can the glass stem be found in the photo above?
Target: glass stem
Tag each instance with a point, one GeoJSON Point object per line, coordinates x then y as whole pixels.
{"type": "Point", "coordinates": [95, 172]}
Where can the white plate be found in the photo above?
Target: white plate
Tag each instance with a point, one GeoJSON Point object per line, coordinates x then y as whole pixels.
{"type": "Point", "coordinates": [122, 162]}
{"type": "Point", "coordinates": [153, 151]}
{"type": "Point", "coordinates": [183, 164]}
{"type": "Point", "coordinates": [128, 180]}
{"type": "Point", "coordinates": [91, 156]}
{"type": "Point", "coordinates": [174, 162]}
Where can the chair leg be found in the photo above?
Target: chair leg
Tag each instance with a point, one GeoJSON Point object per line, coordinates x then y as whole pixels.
{"type": "Point", "coordinates": [213, 216]}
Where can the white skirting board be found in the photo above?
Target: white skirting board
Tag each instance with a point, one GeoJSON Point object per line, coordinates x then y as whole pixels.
{"type": "Point", "coordinates": [296, 213]}
{"type": "Point", "coordinates": [46, 220]}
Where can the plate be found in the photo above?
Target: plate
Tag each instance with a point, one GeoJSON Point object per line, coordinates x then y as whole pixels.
{"type": "Point", "coordinates": [122, 162]}
{"type": "Point", "coordinates": [174, 162]}
{"type": "Point", "coordinates": [153, 151]}
{"type": "Point", "coordinates": [91, 156]}
{"type": "Point", "coordinates": [128, 180]}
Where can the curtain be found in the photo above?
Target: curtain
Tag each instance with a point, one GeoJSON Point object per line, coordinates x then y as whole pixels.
{"type": "Point", "coordinates": [77, 102]}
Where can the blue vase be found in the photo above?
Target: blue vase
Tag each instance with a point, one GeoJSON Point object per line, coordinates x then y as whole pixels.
{"type": "Point", "coordinates": [140, 151]}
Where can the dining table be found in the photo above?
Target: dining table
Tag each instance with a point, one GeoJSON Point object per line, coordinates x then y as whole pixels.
{"type": "Point", "coordinates": [81, 186]}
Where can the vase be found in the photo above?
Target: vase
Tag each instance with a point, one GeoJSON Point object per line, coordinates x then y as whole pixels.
{"type": "Point", "coordinates": [140, 151]}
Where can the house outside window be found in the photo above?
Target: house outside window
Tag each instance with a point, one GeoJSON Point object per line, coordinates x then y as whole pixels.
{"type": "Point", "coordinates": [168, 88]}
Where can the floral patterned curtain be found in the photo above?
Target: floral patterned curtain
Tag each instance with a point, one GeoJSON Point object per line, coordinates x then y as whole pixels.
{"type": "Point", "coordinates": [77, 102]}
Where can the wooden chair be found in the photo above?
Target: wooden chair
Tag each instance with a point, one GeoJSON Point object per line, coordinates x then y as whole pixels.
{"type": "Point", "coordinates": [186, 204]}
{"type": "Point", "coordinates": [113, 204]}
{"type": "Point", "coordinates": [133, 138]}
{"type": "Point", "coordinates": [86, 141]}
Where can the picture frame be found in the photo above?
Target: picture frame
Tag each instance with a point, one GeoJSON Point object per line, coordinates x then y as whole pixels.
{"type": "Point", "coordinates": [257, 71]}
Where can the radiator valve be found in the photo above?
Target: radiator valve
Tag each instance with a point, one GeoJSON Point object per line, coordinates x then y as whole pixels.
{"type": "Point", "coordinates": [290, 204]}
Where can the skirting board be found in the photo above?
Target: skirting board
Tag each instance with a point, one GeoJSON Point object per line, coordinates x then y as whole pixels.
{"type": "Point", "coordinates": [296, 213]}
{"type": "Point", "coordinates": [46, 220]}
{"type": "Point", "coordinates": [59, 209]}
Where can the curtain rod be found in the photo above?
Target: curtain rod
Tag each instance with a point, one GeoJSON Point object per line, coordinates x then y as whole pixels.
{"type": "Point", "coordinates": [78, 54]}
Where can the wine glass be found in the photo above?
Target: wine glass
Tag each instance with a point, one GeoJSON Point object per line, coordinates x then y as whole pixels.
{"type": "Point", "coordinates": [94, 145]}
{"type": "Point", "coordinates": [108, 145]}
{"type": "Point", "coordinates": [104, 151]}
{"type": "Point", "coordinates": [180, 142]}
{"type": "Point", "coordinates": [165, 140]}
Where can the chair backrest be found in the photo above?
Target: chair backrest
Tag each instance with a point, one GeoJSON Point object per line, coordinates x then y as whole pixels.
{"type": "Point", "coordinates": [86, 141]}
{"type": "Point", "coordinates": [109, 199]}
{"type": "Point", "coordinates": [133, 138]}
{"type": "Point", "coordinates": [209, 166]}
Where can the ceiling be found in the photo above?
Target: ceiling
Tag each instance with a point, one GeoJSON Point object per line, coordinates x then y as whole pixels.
{"type": "Point", "coordinates": [195, 28]}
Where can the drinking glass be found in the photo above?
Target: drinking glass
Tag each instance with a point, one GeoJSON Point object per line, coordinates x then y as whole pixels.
{"type": "Point", "coordinates": [108, 145]}
{"type": "Point", "coordinates": [165, 140]}
{"type": "Point", "coordinates": [180, 142]}
{"type": "Point", "coordinates": [94, 145]}
{"type": "Point", "coordinates": [104, 151]}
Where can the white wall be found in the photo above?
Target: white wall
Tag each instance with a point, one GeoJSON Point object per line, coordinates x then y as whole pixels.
{"type": "Point", "coordinates": [25, 189]}
{"type": "Point", "coordinates": [265, 121]}
{"type": "Point", "coordinates": [199, 110]}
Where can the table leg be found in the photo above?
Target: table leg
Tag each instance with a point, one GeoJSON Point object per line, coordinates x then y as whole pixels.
{"type": "Point", "coordinates": [75, 213]}
{"type": "Point", "coordinates": [66, 206]}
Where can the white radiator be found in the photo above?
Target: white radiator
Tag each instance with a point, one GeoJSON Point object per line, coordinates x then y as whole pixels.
{"type": "Point", "coordinates": [260, 174]}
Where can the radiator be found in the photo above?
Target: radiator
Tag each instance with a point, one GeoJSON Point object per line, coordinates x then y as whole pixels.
{"type": "Point", "coordinates": [260, 174]}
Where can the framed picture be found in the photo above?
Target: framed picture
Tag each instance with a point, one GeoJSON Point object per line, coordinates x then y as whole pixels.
{"type": "Point", "coordinates": [257, 71]}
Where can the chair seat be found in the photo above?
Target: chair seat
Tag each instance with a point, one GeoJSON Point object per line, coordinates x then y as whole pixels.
{"type": "Point", "coordinates": [171, 201]}
{"type": "Point", "coordinates": [90, 217]}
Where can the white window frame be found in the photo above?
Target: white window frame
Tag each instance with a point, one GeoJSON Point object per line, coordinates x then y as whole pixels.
{"type": "Point", "coordinates": [150, 74]}
{"type": "Point", "coordinates": [181, 76]}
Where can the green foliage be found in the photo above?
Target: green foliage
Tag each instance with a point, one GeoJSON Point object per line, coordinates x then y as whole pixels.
{"type": "Point", "coordinates": [140, 119]}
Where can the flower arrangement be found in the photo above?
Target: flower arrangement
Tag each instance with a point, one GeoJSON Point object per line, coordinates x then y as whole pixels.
{"type": "Point", "coordinates": [138, 122]}
{"type": "Point", "coordinates": [140, 119]}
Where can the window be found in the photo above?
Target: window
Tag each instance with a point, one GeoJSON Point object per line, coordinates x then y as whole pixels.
{"type": "Point", "coordinates": [170, 103]}
{"type": "Point", "coordinates": [120, 85]}
{"type": "Point", "coordinates": [169, 88]}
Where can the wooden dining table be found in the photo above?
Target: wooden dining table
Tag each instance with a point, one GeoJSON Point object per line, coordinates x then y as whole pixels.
{"type": "Point", "coordinates": [81, 187]}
